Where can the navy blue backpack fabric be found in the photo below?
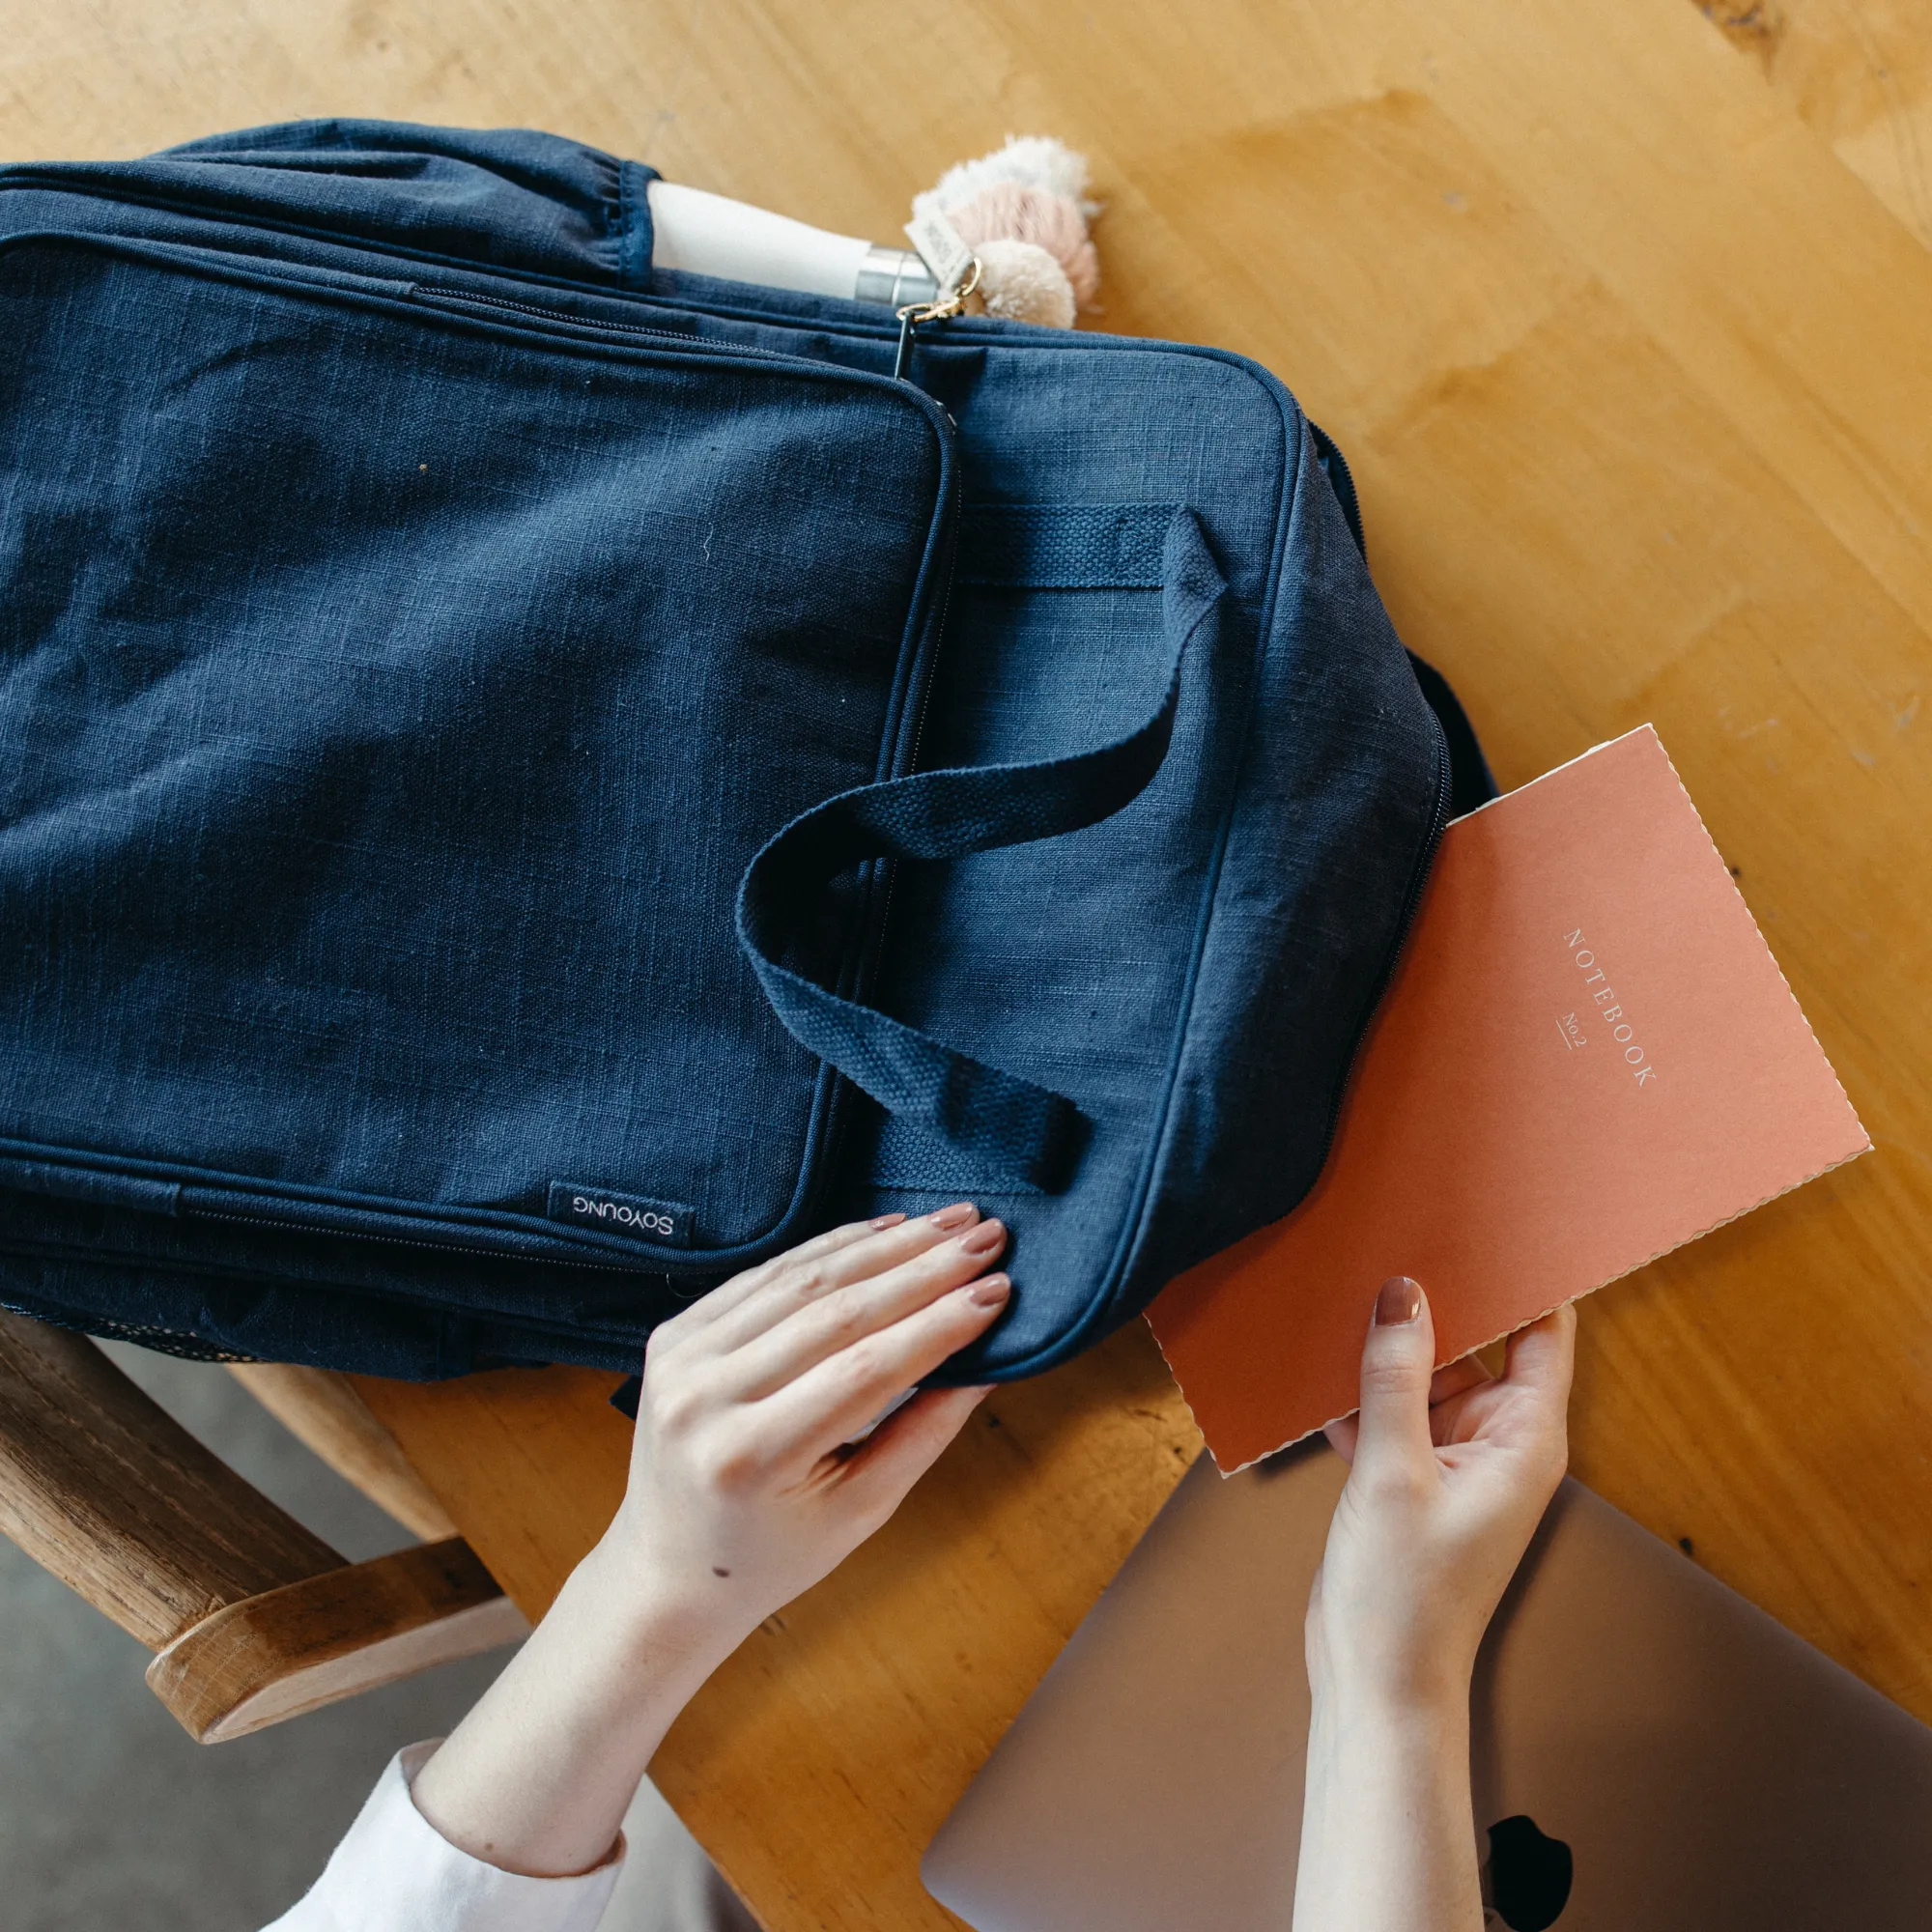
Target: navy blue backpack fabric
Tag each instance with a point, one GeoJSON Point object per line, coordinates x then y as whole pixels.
{"type": "Point", "coordinates": [529, 782]}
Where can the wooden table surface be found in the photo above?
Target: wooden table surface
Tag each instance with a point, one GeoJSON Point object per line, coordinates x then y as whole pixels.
{"type": "Point", "coordinates": [1622, 316]}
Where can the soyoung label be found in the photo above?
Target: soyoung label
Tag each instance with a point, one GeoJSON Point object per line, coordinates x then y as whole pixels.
{"type": "Point", "coordinates": [665, 1223]}
{"type": "Point", "coordinates": [940, 248]}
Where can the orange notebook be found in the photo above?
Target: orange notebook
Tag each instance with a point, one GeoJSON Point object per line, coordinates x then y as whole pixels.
{"type": "Point", "coordinates": [1587, 1058]}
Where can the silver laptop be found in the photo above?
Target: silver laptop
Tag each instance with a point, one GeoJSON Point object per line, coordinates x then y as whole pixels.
{"type": "Point", "coordinates": [1650, 1752]}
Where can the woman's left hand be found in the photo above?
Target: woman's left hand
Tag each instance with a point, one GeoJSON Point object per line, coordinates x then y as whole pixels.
{"type": "Point", "coordinates": [746, 1487]}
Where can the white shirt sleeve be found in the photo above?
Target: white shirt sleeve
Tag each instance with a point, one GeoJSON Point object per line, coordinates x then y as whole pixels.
{"type": "Point", "coordinates": [395, 1872]}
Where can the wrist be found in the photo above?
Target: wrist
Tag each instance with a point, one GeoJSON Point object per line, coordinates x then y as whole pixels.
{"type": "Point", "coordinates": [536, 1779]}
{"type": "Point", "coordinates": [640, 1622]}
{"type": "Point", "coordinates": [1395, 1694]}
{"type": "Point", "coordinates": [1388, 1835]}
{"type": "Point", "coordinates": [1362, 1736]}
{"type": "Point", "coordinates": [1383, 1658]}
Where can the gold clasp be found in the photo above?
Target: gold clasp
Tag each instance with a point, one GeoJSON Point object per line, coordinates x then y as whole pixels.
{"type": "Point", "coordinates": [942, 308]}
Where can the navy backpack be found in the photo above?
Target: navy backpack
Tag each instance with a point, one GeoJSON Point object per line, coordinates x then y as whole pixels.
{"type": "Point", "coordinates": [528, 783]}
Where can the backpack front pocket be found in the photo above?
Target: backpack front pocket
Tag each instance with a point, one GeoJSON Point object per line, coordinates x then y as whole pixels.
{"type": "Point", "coordinates": [390, 700]}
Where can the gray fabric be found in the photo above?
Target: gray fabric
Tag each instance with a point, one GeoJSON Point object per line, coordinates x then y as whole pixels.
{"type": "Point", "coordinates": [668, 1884]}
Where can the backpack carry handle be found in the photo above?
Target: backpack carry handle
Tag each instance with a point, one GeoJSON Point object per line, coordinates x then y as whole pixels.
{"type": "Point", "coordinates": [1014, 1129]}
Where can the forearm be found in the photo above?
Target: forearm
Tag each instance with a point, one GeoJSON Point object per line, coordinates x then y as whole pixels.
{"type": "Point", "coordinates": [537, 1778]}
{"type": "Point", "coordinates": [745, 1489]}
{"type": "Point", "coordinates": [1388, 1838]}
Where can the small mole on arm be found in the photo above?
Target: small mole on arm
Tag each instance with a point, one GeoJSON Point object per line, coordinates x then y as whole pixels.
{"type": "Point", "coordinates": [716, 1572]}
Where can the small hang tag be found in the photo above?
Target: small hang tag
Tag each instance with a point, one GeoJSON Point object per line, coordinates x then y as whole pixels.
{"type": "Point", "coordinates": [940, 248]}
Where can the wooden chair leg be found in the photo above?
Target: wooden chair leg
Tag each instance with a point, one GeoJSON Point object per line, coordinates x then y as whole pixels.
{"type": "Point", "coordinates": [253, 1617]}
{"type": "Point", "coordinates": [322, 1410]}
{"type": "Point", "coordinates": [307, 1644]}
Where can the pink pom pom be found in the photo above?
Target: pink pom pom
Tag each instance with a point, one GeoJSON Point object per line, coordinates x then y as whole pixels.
{"type": "Point", "coordinates": [1013, 211]}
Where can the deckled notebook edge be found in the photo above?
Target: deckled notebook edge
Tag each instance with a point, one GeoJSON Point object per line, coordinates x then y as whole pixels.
{"type": "Point", "coordinates": [1503, 1334]}
{"type": "Point", "coordinates": [1697, 1234]}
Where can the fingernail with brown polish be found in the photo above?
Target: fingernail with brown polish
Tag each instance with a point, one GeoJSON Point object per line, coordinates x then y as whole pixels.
{"type": "Point", "coordinates": [884, 1221]}
{"type": "Point", "coordinates": [955, 1217]}
{"type": "Point", "coordinates": [990, 1290]}
{"type": "Point", "coordinates": [1399, 1300]}
{"type": "Point", "coordinates": [982, 1239]}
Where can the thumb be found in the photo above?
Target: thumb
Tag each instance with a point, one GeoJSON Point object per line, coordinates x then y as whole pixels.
{"type": "Point", "coordinates": [1398, 1361]}
{"type": "Point", "coordinates": [906, 1445]}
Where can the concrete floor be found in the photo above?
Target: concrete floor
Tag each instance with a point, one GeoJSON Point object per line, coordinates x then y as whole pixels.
{"type": "Point", "coordinates": [111, 1820]}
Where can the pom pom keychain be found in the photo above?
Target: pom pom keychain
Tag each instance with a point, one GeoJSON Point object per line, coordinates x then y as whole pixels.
{"type": "Point", "coordinates": [1024, 211]}
{"type": "Point", "coordinates": [1020, 214]}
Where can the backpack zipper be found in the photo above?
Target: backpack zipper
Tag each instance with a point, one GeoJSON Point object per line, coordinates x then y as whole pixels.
{"type": "Point", "coordinates": [324, 1229]}
{"type": "Point", "coordinates": [432, 295]}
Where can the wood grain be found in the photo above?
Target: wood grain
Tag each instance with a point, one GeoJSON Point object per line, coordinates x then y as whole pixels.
{"type": "Point", "coordinates": [1622, 325]}
{"type": "Point", "coordinates": [1860, 73]}
{"type": "Point", "coordinates": [100, 1485]}
{"type": "Point", "coordinates": [255, 1662]}
{"type": "Point", "coordinates": [252, 1618]}
{"type": "Point", "coordinates": [322, 1410]}
{"type": "Point", "coordinates": [540, 1472]}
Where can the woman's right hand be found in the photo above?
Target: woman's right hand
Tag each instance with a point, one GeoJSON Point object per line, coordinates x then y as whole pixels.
{"type": "Point", "coordinates": [1450, 1473]}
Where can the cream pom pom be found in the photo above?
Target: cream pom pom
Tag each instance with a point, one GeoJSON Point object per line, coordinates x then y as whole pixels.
{"type": "Point", "coordinates": [1033, 160]}
{"type": "Point", "coordinates": [1022, 282]}
{"type": "Point", "coordinates": [1010, 211]}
